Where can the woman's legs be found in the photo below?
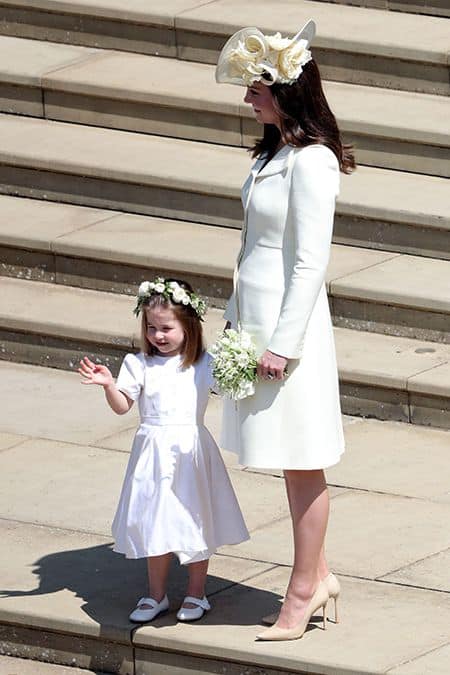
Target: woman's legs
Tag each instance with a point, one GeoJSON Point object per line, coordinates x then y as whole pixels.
{"type": "Point", "coordinates": [323, 568]}
{"type": "Point", "coordinates": [197, 578]}
{"type": "Point", "coordinates": [158, 571]}
{"type": "Point", "coordinates": [309, 506]}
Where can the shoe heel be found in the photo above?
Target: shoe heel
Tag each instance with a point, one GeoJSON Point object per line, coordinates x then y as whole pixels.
{"type": "Point", "coordinates": [336, 614]}
{"type": "Point", "coordinates": [324, 607]}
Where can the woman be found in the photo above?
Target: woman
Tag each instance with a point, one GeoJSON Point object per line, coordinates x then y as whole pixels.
{"type": "Point", "coordinates": [293, 422]}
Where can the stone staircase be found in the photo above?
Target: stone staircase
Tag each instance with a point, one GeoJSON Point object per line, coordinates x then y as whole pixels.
{"type": "Point", "coordinates": [434, 7]}
{"type": "Point", "coordinates": [115, 166]}
{"type": "Point", "coordinates": [121, 159]}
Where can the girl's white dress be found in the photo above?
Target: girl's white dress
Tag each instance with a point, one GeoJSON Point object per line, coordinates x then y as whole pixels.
{"type": "Point", "coordinates": [176, 496]}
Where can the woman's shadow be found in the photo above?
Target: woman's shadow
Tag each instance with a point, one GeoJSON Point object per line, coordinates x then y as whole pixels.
{"type": "Point", "coordinates": [109, 586]}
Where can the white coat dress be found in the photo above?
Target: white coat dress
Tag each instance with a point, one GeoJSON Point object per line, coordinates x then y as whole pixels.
{"type": "Point", "coordinates": [280, 299]}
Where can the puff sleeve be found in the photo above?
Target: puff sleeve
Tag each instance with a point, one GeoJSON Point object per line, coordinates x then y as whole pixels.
{"type": "Point", "coordinates": [131, 375]}
{"type": "Point", "coordinates": [312, 196]}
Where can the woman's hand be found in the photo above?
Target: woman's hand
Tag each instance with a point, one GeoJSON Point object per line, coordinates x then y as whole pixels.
{"type": "Point", "coordinates": [94, 373]}
{"type": "Point", "coordinates": [271, 366]}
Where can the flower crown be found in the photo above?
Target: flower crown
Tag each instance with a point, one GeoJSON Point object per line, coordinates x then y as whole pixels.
{"type": "Point", "coordinates": [250, 56]}
{"type": "Point", "coordinates": [170, 290]}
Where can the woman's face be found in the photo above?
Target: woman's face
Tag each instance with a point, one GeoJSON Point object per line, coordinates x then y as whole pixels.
{"type": "Point", "coordinates": [260, 98]}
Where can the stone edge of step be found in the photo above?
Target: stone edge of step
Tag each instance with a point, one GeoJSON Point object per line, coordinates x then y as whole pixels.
{"type": "Point", "coordinates": [77, 325]}
{"type": "Point", "coordinates": [71, 76]}
{"type": "Point", "coordinates": [190, 18]}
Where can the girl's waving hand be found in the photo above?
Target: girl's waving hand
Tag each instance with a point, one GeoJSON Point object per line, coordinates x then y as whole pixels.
{"type": "Point", "coordinates": [94, 373]}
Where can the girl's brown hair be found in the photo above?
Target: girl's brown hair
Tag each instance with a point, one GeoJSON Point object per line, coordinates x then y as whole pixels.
{"type": "Point", "coordinates": [306, 118]}
{"type": "Point", "coordinates": [193, 346]}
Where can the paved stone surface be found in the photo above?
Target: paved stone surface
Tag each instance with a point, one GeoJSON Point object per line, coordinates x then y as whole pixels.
{"type": "Point", "coordinates": [384, 376]}
{"type": "Point", "coordinates": [41, 402]}
{"type": "Point", "coordinates": [160, 12]}
{"type": "Point", "coordinates": [14, 666]}
{"type": "Point", "coordinates": [394, 458]}
{"type": "Point", "coordinates": [150, 242]}
{"type": "Point", "coordinates": [372, 534]}
{"type": "Point", "coordinates": [63, 319]}
{"type": "Point", "coordinates": [432, 381]}
{"type": "Point", "coordinates": [402, 280]}
{"type": "Point", "coordinates": [39, 224]}
{"type": "Point", "coordinates": [66, 596]}
{"type": "Point", "coordinates": [359, 541]}
{"type": "Point", "coordinates": [26, 61]}
{"type": "Point", "coordinates": [112, 154]}
{"type": "Point", "coordinates": [382, 625]}
{"type": "Point", "coordinates": [435, 7]}
{"type": "Point", "coordinates": [150, 80]}
{"type": "Point", "coordinates": [61, 472]}
{"type": "Point", "coordinates": [341, 25]}
{"type": "Point", "coordinates": [435, 662]}
{"type": "Point", "coordinates": [431, 572]}
{"type": "Point", "coordinates": [10, 440]}
{"type": "Point", "coordinates": [137, 78]}
{"type": "Point", "coordinates": [65, 577]}
{"type": "Point", "coordinates": [372, 358]}
{"type": "Point", "coordinates": [61, 575]}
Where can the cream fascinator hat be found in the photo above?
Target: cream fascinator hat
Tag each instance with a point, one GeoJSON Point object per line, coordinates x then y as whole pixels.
{"type": "Point", "coordinates": [250, 56]}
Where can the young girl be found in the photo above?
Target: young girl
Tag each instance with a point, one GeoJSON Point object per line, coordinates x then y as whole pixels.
{"type": "Point", "coordinates": [176, 497]}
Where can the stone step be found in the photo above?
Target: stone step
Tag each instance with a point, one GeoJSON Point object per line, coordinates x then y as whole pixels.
{"type": "Point", "coordinates": [57, 628]}
{"type": "Point", "coordinates": [433, 7]}
{"type": "Point", "coordinates": [103, 250]}
{"type": "Point", "coordinates": [390, 129]}
{"type": "Point", "coordinates": [382, 376]}
{"type": "Point", "coordinates": [353, 44]}
{"type": "Point", "coordinates": [66, 596]}
{"type": "Point", "coordinates": [10, 665]}
{"type": "Point", "coordinates": [151, 175]}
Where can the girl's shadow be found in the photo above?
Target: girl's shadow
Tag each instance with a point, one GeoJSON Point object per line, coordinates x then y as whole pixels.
{"type": "Point", "coordinates": [110, 585]}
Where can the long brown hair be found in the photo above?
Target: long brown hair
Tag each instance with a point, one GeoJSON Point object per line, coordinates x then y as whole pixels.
{"type": "Point", "coordinates": [306, 118]}
{"type": "Point", "coordinates": [193, 346]}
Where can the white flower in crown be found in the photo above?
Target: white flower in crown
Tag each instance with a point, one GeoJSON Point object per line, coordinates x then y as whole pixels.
{"type": "Point", "coordinates": [144, 288]}
{"type": "Point", "coordinates": [178, 294]}
{"type": "Point", "coordinates": [170, 290]}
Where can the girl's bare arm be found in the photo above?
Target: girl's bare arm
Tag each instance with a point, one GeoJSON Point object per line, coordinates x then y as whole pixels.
{"type": "Point", "coordinates": [94, 373]}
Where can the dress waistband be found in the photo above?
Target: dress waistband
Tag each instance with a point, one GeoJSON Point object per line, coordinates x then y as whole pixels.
{"type": "Point", "coordinates": [158, 421]}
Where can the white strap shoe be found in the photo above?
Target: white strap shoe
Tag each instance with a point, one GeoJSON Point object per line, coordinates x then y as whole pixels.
{"type": "Point", "coordinates": [193, 613]}
{"type": "Point", "coordinates": [142, 614]}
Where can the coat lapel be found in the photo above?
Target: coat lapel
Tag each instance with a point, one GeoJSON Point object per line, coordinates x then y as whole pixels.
{"type": "Point", "coordinates": [277, 164]}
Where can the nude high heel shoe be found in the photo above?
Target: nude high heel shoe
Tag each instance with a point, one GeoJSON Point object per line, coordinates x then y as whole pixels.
{"type": "Point", "coordinates": [319, 599]}
{"type": "Point", "coordinates": [333, 587]}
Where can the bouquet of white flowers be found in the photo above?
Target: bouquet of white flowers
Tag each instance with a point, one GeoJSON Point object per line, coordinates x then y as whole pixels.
{"type": "Point", "coordinates": [234, 364]}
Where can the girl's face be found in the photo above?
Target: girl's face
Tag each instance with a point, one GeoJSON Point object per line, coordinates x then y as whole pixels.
{"type": "Point", "coordinates": [260, 98]}
{"type": "Point", "coordinates": [164, 330]}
